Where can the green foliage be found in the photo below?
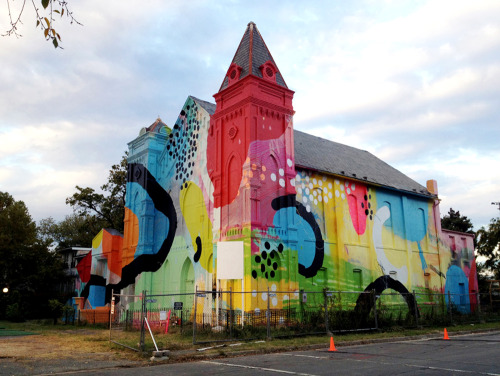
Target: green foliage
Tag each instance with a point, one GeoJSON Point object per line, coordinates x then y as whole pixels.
{"type": "Point", "coordinates": [107, 207]}
{"type": "Point", "coordinates": [454, 221]}
{"type": "Point", "coordinates": [488, 243]}
{"type": "Point", "coordinates": [56, 309]}
{"type": "Point", "coordinates": [74, 231]}
{"type": "Point", "coordinates": [14, 313]}
{"type": "Point", "coordinates": [27, 267]}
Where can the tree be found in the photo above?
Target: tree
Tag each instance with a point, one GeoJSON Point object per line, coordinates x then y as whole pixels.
{"type": "Point", "coordinates": [27, 268]}
{"type": "Point", "coordinates": [107, 207]}
{"type": "Point", "coordinates": [44, 18]}
{"type": "Point", "coordinates": [454, 221]}
{"type": "Point", "coordinates": [488, 244]}
{"type": "Point", "coordinates": [74, 231]}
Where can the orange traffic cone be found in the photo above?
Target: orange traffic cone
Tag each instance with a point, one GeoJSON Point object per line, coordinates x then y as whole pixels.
{"type": "Point", "coordinates": [332, 345]}
{"type": "Point", "coordinates": [446, 334]}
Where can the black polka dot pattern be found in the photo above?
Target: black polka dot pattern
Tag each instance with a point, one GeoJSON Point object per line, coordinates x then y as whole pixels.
{"type": "Point", "coordinates": [268, 261]}
{"type": "Point", "coordinates": [182, 145]}
{"type": "Point", "coordinates": [366, 205]}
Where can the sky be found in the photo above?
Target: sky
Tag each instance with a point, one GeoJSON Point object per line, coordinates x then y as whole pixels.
{"type": "Point", "coordinates": [416, 83]}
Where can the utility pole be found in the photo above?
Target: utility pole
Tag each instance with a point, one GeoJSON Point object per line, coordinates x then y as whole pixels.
{"type": "Point", "coordinates": [496, 203]}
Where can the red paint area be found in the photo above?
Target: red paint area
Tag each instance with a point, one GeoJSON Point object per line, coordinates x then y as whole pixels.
{"type": "Point", "coordinates": [473, 286]}
{"type": "Point", "coordinates": [83, 267]}
{"type": "Point", "coordinates": [233, 148]}
{"type": "Point", "coordinates": [359, 205]}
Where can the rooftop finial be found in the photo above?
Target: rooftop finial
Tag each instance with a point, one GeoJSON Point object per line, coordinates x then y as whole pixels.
{"type": "Point", "coordinates": [251, 23]}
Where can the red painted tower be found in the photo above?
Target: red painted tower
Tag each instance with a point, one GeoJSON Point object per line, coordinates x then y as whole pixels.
{"type": "Point", "coordinates": [250, 145]}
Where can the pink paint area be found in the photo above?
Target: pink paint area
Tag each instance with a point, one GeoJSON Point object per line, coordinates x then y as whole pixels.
{"type": "Point", "coordinates": [359, 206]}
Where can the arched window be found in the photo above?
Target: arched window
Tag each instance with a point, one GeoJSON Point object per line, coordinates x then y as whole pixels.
{"type": "Point", "coordinates": [187, 282]}
{"type": "Point", "coordinates": [234, 173]}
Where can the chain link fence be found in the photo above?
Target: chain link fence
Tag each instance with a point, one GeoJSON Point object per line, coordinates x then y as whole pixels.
{"type": "Point", "coordinates": [327, 312]}
{"type": "Point", "coordinates": [139, 321]}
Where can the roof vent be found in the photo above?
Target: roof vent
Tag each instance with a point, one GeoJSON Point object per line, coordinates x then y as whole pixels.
{"type": "Point", "coordinates": [342, 172]}
{"type": "Point", "coordinates": [268, 71]}
{"type": "Point", "coordinates": [354, 175]}
{"type": "Point", "coordinates": [364, 177]}
{"type": "Point", "coordinates": [233, 73]}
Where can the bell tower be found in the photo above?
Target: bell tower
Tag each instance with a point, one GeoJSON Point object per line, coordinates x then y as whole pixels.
{"type": "Point", "coordinates": [250, 142]}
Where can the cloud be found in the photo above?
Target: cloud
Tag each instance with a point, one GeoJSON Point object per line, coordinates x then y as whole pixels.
{"type": "Point", "coordinates": [415, 83]}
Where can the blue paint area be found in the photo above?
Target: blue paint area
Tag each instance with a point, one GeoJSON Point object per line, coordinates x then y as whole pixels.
{"type": "Point", "coordinates": [141, 204]}
{"type": "Point", "coordinates": [414, 216]}
{"type": "Point", "coordinates": [97, 296]}
{"type": "Point", "coordinates": [305, 235]}
{"type": "Point", "coordinates": [457, 285]}
{"type": "Point", "coordinates": [422, 258]}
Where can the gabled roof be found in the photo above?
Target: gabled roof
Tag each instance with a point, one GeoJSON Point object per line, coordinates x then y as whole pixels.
{"type": "Point", "coordinates": [322, 155]}
{"type": "Point", "coordinates": [251, 54]}
{"type": "Point", "coordinates": [209, 107]}
{"type": "Point", "coordinates": [156, 126]}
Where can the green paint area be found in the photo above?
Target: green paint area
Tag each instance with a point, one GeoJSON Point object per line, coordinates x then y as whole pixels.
{"type": "Point", "coordinates": [14, 333]}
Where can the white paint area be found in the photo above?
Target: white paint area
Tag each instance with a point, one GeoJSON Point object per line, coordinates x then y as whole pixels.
{"type": "Point", "coordinates": [379, 219]}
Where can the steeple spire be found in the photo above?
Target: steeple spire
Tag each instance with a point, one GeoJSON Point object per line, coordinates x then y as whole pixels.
{"type": "Point", "coordinates": [252, 58]}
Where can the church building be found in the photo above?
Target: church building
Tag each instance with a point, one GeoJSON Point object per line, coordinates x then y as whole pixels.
{"type": "Point", "coordinates": [233, 197]}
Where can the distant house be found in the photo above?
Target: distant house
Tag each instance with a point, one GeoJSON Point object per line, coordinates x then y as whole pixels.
{"type": "Point", "coordinates": [71, 257]}
{"type": "Point", "coordinates": [232, 183]}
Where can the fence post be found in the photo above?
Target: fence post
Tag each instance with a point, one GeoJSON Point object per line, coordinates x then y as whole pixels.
{"type": "Point", "coordinates": [326, 311]}
{"type": "Point", "coordinates": [375, 308]}
{"type": "Point", "coordinates": [415, 307]}
{"type": "Point", "coordinates": [340, 317]}
{"type": "Point", "coordinates": [143, 313]}
{"type": "Point", "coordinates": [449, 308]}
{"type": "Point", "coordinates": [268, 316]}
{"type": "Point", "coordinates": [231, 313]}
{"type": "Point", "coordinates": [111, 309]}
{"type": "Point", "coordinates": [478, 308]}
{"type": "Point", "coordinates": [195, 311]}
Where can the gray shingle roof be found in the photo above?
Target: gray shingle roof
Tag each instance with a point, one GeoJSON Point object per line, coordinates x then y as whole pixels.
{"type": "Point", "coordinates": [322, 155]}
{"type": "Point", "coordinates": [209, 107]}
{"type": "Point", "coordinates": [251, 54]}
{"type": "Point", "coordinates": [319, 154]}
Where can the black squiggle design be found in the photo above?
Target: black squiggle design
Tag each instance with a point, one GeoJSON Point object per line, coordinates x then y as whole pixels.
{"type": "Point", "coordinates": [290, 201]}
{"type": "Point", "coordinates": [95, 280]}
{"type": "Point", "coordinates": [138, 173]}
{"type": "Point", "coordinates": [197, 255]}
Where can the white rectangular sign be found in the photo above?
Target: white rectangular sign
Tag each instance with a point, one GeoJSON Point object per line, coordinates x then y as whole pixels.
{"type": "Point", "coordinates": [163, 315]}
{"type": "Point", "coordinates": [230, 260]}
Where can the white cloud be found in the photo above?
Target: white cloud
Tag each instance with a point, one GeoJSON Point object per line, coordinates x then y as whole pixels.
{"type": "Point", "coordinates": [415, 83]}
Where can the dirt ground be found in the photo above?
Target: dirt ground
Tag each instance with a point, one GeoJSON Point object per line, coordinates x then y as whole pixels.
{"type": "Point", "coordinates": [61, 352]}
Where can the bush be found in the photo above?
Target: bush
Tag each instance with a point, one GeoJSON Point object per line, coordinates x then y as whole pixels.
{"type": "Point", "coordinates": [56, 309]}
{"type": "Point", "coordinates": [15, 313]}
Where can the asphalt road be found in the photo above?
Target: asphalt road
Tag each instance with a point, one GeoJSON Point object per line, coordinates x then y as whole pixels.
{"type": "Point", "coordinates": [477, 354]}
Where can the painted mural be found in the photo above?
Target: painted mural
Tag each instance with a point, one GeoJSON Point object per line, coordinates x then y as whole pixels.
{"type": "Point", "coordinates": [227, 172]}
